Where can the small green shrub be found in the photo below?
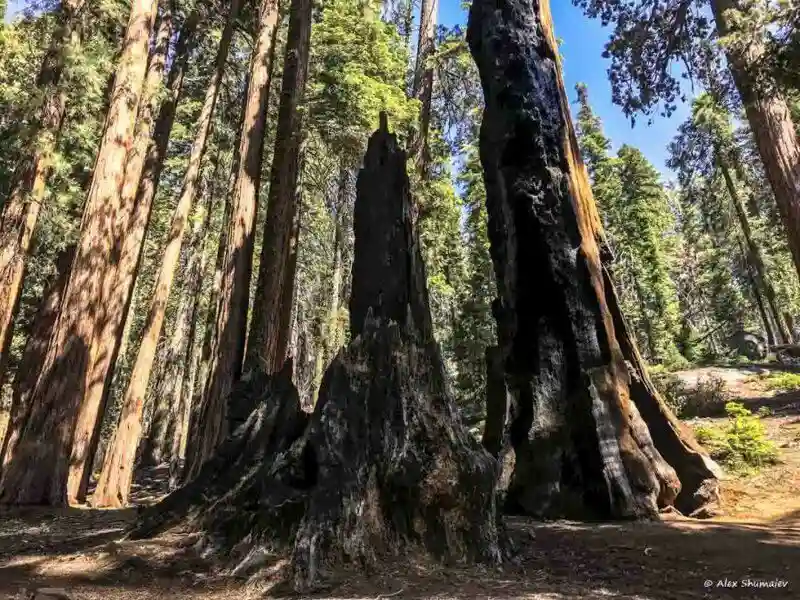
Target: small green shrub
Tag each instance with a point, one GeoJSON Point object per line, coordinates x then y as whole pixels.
{"type": "Point", "coordinates": [741, 444]}
{"type": "Point", "coordinates": [785, 382]}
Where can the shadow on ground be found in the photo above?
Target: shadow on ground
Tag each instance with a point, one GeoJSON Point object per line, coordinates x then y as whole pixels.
{"type": "Point", "coordinates": [671, 559]}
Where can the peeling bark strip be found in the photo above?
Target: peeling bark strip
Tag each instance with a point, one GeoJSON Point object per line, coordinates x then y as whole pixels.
{"type": "Point", "coordinates": [581, 446]}
{"type": "Point", "coordinates": [384, 461]}
{"type": "Point", "coordinates": [53, 453]}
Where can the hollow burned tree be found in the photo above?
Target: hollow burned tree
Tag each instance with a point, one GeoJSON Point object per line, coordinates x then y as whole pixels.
{"type": "Point", "coordinates": [384, 461]}
{"type": "Point", "coordinates": [590, 434]}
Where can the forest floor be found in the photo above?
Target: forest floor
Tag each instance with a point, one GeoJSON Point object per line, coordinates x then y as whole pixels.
{"type": "Point", "coordinates": [755, 542]}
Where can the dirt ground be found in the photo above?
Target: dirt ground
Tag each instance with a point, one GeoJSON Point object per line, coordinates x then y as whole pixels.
{"type": "Point", "coordinates": [755, 543]}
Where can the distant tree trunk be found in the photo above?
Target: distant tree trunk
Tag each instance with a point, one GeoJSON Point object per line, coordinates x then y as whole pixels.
{"type": "Point", "coordinates": [34, 353]}
{"type": "Point", "coordinates": [766, 320]}
{"type": "Point", "coordinates": [20, 211]}
{"type": "Point", "coordinates": [117, 473]}
{"type": "Point", "coordinates": [268, 337]}
{"type": "Point", "coordinates": [49, 463]}
{"type": "Point", "coordinates": [581, 428]}
{"type": "Point", "coordinates": [771, 123]}
{"type": "Point", "coordinates": [199, 387]}
{"type": "Point", "coordinates": [423, 79]}
{"type": "Point", "coordinates": [160, 443]}
{"type": "Point", "coordinates": [754, 256]}
{"type": "Point", "coordinates": [330, 325]}
{"type": "Point", "coordinates": [231, 318]}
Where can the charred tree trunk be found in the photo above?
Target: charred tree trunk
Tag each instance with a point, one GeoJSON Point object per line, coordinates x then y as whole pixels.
{"type": "Point", "coordinates": [384, 461]}
{"type": "Point", "coordinates": [771, 123]}
{"type": "Point", "coordinates": [20, 211]}
{"type": "Point", "coordinates": [52, 458]}
{"type": "Point", "coordinates": [33, 355]}
{"type": "Point", "coordinates": [423, 79]}
{"type": "Point", "coordinates": [582, 448]}
{"type": "Point", "coordinates": [237, 263]}
{"type": "Point", "coordinates": [117, 472]}
{"type": "Point", "coordinates": [266, 343]}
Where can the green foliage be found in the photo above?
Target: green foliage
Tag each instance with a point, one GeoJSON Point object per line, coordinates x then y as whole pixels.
{"type": "Point", "coordinates": [358, 68]}
{"type": "Point", "coordinates": [781, 381]}
{"type": "Point", "coordinates": [741, 444]}
{"type": "Point", "coordinates": [640, 230]}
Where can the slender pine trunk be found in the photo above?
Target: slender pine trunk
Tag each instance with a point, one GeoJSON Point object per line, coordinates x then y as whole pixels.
{"type": "Point", "coordinates": [423, 80]}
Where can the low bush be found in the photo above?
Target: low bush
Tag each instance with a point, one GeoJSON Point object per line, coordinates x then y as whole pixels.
{"type": "Point", "coordinates": [784, 382]}
{"type": "Point", "coordinates": [741, 444]}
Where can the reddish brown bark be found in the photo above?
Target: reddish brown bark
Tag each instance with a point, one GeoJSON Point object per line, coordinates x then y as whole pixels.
{"type": "Point", "coordinates": [117, 473]}
{"type": "Point", "coordinates": [771, 123]}
{"type": "Point", "coordinates": [237, 263]}
{"type": "Point", "coordinates": [269, 329]}
{"type": "Point", "coordinates": [34, 353]}
{"type": "Point", "coordinates": [20, 211]}
{"type": "Point", "coordinates": [52, 455]}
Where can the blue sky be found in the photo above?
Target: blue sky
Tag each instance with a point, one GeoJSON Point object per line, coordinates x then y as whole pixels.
{"type": "Point", "coordinates": [582, 46]}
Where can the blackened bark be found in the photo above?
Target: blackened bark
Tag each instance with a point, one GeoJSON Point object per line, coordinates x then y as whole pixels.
{"type": "Point", "coordinates": [581, 446]}
{"type": "Point", "coordinates": [384, 462]}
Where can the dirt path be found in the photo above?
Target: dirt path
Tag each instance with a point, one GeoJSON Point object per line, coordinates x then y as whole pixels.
{"type": "Point", "coordinates": [757, 542]}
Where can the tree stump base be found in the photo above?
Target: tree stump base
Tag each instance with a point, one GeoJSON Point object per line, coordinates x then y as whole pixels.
{"type": "Point", "coordinates": [382, 466]}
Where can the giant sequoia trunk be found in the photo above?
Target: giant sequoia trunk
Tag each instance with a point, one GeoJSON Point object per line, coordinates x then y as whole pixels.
{"type": "Point", "coordinates": [237, 261]}
{"type": "Point", "coordinates": [266, 344]}
{"type": "Point", "coordinates": [34, 353]}
{"type": "Point", "coordinates": [117, 473]}
{"type": "Point", "coordinates": [771, 123]}
{"type": "Point", "coordinates": [579, 424]}
{"type": "Point", "coordinates": [20, 211]}
{"type": "Point", "coordinates": [383, 462]}
{"type": "Point", "coordinates": [52, 458]}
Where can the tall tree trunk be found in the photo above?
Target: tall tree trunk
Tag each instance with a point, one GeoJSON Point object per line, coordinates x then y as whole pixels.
{"type": "Point", "coordinates": [117, 473]}
{"type": "Point", "coordinates": [20, 211]}
{"type": "Point", "coordinates": [34, 353]}
{"type": "Point", "coordinates": [266, 345]}
{"type": "Point", "coordinates": [237, 263]}
{"type": "Point", "coordinates": [754, 256]}
{"type": "Point", "coordinates": [51, 457]}
{"type": "Point", "coordinates": [423, 79]}
{"type": "Point", "coordinates": [582, 446]}
{"type": "Point", "coordinates": [771, 123]}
